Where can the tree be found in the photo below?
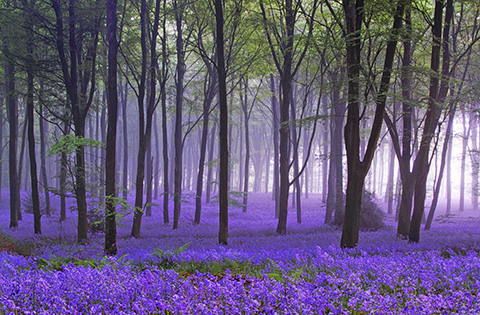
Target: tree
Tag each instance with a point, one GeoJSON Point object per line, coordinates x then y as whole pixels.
{"type": "Point", "coordinates": [223, 133]}
{"type": "Point", "coordinates": [287, 68]}
{"type": "Point", "coordinates": [12, 117]}
{"type": "Point", "coordinates": [357, 168]}
{"type": "Point", "coordinates": [145, 119]}
{"type": "Point", "coordinates": [79, 72]}
{"type": "Point", "coordinates": [179, 8]}
{"type": "Point", "coordinates": [112, 103]}
{"type": "Point", "coordinates": [210, 90]}
{"type": "Point", "coordinates": [28, 7]}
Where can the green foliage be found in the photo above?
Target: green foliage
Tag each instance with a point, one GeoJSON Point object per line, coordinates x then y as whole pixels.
{"type": "Point", "coordinates": [69, 144]}
{"type": "Point", "coordinates": [57, 263]}
{"type": "Point", "coordinates": [212, 163]}
{"type": "Point", "coordinates": [167, 256]}
{"type": "Point", "coordinates": [232, 201]}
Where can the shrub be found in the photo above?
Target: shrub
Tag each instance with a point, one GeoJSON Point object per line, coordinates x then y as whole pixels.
{"type": "Point", "coordinates": [371, 216]}
{"type": "Point", "coordinates": [28, 203]}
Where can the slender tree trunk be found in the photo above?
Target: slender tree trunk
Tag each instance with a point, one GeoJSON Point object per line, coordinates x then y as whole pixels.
{"type": "Point", "coordinates": [276, 153]}
{"type": "Point", "coordinates": [390, 181]}
{"type": "Point", "coordinates": [125, 141]}
{"type": "Point", "coordinates": [12, 117]}
{"type": "Point", "coordinates": [461, 206]}
{"type": "Point", "coordinates": [31, 141]}
{"type": "Point", "coordinates": [103, 134]}
{"type": "Point", "coordinates": [76, 83]}
{"type": "Point", "coordinates": [267, 168]}
{"type": "Point", "coordinates": [296, 168]}
{"type": "Point", "coordinates": [210, 160]}
{"type": "Point", "coordinates": [163, 95]}
{"type": "Point", "coordinates": [449, 177]}
{"type": "Point", "coordinates": [285, 83]}
{"type": "Point", "coordinates": [156, 177]}
{"type": "Point", "coordinates": [421, 165]}
{"type": "Point", "coordinates": [246, 118]}
{"type": "Point", "coordinates": [43, 128]}
{"type": "Point", "coordinates": [112, 103]}
{"type": "Point", "coordinates": [448, 135]}
{"type": "Point", "coordinates": [474, 156]}
{"type": "Point", "coordinates": [20, 167]}
{"type": "Point", "coordinates": [325, 161]}
{"type": "Point", "coordinates": [223, 143]}
{"type": "Point", "coordinates": [149, 181]}
{"type": "Point", "coordinates": [145, 119]}
{"type": "Point", "coordinates": [63, 179]}
{"type": "Point", "coordinates": [180, 73]}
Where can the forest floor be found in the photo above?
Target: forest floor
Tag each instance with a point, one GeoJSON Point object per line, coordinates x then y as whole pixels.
{"type": "Point", "coordinates": [185, 271]}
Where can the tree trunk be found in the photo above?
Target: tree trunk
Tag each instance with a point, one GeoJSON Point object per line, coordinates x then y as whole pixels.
{"type": "Point", "coordinates": [286, 86]}
{"type": "Point", "coordinates": [112, 103]}
{"type": "Point", "coordinates": [76, 83]}
{"type": "Point", "coordinates": [437, 93]}
{"type": "Point", "coordinates": [446, 143]}
{"type": "Point", "coordinates": [357, 169]}
{"type": "Point", "coordinates": [390, 181]}
{"type": "Point", "coordinates": [63, 178]}
{"type": "Point", "coordinates": [12, 117]}
{"type": "Point", "coordinates": [474, 156]}
{"type": "Point", "coordinates": [325, 161]}
{"type": "Point", "coordinates": [20, 166]}
{"type": "Point", "coordinates": [163, 95]}
{"type": "Point", "coordinates": [461, 206]}
{"type": "Point", "coordinates": [145, 119]}
{"type": "Point", "coordinates": [43, 128]}
{"type": "Point", "coordinates": [149, 181]}
{"type": "Point", "coordinates": [223, 136]}
{"type": "Point", "coordinates": [210, 161]}
{"type": "Point", "coordinates": [180, 73]}
{"type": "Point", "coordinates": [296, 168]}
{"type": "Point", "coordinates": [276, 153]}
{"type": "Point", "coordinates": [31, 137]}
{"type": "Point", "coordinates": [125, 141]}
{"type": "Point", "coordinates": [449, 177]}
{"type": "Point", "coordinates": [246, 118]}
{"type": "Point", "coordinates": [209, 96]}
{"type": "Point", "coordinates": [156, 177]}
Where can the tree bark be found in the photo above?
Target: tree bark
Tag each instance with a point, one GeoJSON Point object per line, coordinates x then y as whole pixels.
{"type": "Point", "coordinates": [112, 103]}
{"type": "Point", "coordinates": [180, 73]}
{"type": "Point", "coordinates": [358, 169]}
{"type": "Point", "coordinates": [76, 83]}
{"type": "Point", "coordinates": [223, 134]}
{"type": "Point", "coordinates": [31, 135]}
{"type": "Point", "coordinates": [145, 119]}
{"type": "Point", "coordinates": [437, 94]}
{"type": "Point", "coordinates": [125, 141]}
{"type": "Point", "coordinates": [163, 95]}
{"type": "Point", "coordinates": [246, 118]}
{"type": "Point", "coordinates": [13, 136]}
{"type": "Point", "coordinates": [210, 161]}
{"type": "Point", "coordinates": [43, 128]}
{"type": "Point", "coordinates": [446, 143]}
{"type": "Point", "coordinates": [276, 153]}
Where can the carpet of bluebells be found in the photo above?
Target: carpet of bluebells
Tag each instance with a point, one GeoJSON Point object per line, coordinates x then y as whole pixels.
{"type": "Point", "coordinates": [184, 271]}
